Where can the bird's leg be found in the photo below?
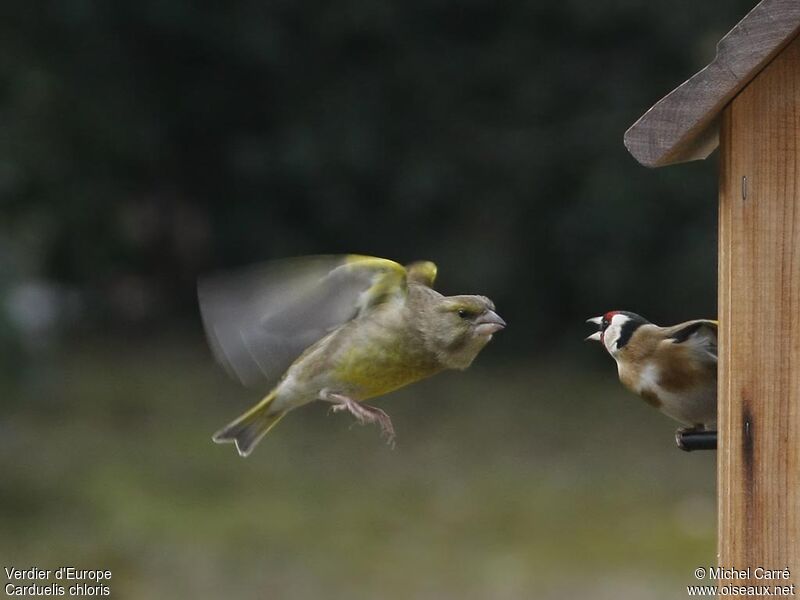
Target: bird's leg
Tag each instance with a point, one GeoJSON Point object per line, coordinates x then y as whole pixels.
{"type": "Point", "coordinates": [362, 412]}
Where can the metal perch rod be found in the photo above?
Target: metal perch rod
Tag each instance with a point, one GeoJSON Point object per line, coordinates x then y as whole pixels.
{"type": "Point", "coordinates": [696, 440]}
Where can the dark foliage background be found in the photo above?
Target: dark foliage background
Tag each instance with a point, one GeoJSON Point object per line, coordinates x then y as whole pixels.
{"type": "Point", "coordinates": [145, 143]}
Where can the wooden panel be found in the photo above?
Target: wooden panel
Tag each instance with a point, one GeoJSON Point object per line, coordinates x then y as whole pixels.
{"type": "Point", "coordinates": [759, 311]}
{"type": "Point", "coordinates": [682, 126]}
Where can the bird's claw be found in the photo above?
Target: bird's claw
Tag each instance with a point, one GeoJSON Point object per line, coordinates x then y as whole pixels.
{"type": "Point", "coordinates": [363, 414]}
{"type": "Point", "coordinates": [681, 439]}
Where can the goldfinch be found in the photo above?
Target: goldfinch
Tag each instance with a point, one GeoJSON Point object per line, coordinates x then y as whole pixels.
{"type": "Point", "coordinates": [674, 369]}
{"type": "Point", "coordinates": [336, 329]}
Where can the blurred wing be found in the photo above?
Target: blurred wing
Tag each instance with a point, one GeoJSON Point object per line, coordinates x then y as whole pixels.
{"type": "Point", "coordinates": [701, 335]}
{"type": "Point", "coordinates": [260, 319]}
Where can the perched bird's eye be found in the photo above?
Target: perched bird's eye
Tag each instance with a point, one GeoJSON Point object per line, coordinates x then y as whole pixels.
{"type": "Point", "coordinates": [463, 313]}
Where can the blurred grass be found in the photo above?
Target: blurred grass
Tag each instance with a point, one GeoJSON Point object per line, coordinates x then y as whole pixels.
{"type": "Point", "coordinates": [508, 481]}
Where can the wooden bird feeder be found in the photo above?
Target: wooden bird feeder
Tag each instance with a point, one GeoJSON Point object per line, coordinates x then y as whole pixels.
{"type": "Point", "coordinates": [747, 102]}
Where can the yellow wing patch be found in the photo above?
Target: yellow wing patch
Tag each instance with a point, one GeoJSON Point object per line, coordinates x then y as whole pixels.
{"type": "Point", "coordinates": [422, 272]}
{"type": "Point", "coordinates": [388, 278]}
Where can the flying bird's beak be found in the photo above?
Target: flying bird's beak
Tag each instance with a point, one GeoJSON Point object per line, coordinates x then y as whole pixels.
{"type": "Point", "coordinates": [489, 323]}
{"type": "Point", "coordinates": [597, 335]}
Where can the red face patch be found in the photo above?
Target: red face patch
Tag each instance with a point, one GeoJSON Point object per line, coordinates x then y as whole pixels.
{"type": "Point", "coordinates": [606, 322]}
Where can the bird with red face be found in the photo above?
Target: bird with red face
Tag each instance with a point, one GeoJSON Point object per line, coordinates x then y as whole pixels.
{"type": "Point", "coordinates": [674, 369]}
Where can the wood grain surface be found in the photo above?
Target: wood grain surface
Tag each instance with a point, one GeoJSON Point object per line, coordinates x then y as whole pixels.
{"type": "Point", "coordinates": [759, 314]}
{"type": "Point", "coordinates": [683, 126]}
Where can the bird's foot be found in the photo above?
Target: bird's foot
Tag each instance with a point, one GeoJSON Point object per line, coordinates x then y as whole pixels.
{"type": "Point", "coordinates": [363, 413]}
{"type": "Point", "coordinates": [698, 437]}
{"type": "Point", "coordinates": [681, 431]}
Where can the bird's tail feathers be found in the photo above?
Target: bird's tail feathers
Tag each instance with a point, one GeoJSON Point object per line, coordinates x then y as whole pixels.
{"type": "Point", "coordinates": [248, 429]}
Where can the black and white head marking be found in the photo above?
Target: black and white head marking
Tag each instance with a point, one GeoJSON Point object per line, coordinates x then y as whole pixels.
{"type": "Point", "coordinates": [616, 329]}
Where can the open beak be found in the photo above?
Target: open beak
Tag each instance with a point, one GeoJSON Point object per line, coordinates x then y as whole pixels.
{"type": "Point", "coordinates": [489, 323]}
{"type": "Point", "coordinates": [597, 335]}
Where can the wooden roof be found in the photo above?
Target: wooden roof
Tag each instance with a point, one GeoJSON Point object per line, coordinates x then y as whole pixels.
{"type": "Point", "coordinates": [684, 125]}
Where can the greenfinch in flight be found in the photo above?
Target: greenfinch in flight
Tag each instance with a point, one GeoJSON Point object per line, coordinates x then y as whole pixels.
{"type": "Point", "coordinates": [341, 329]}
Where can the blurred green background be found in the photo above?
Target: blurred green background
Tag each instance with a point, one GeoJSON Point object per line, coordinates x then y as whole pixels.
{"type": "Point", "coordinates": [145, 143]}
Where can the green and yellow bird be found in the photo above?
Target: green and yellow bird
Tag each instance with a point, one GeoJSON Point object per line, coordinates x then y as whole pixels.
{"type": "Point", "coordinates": [341, 329]}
